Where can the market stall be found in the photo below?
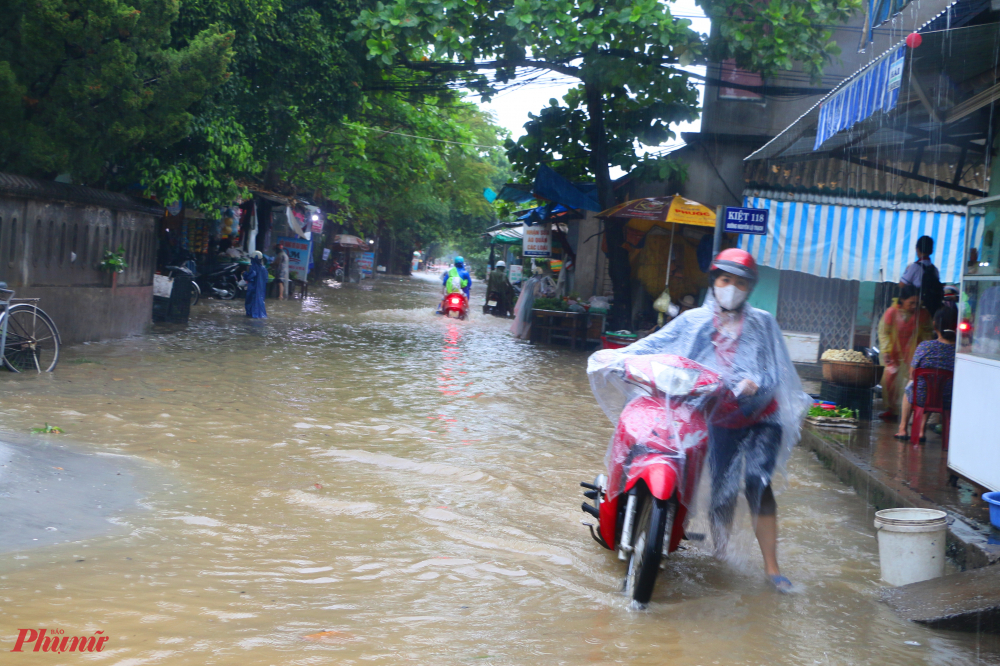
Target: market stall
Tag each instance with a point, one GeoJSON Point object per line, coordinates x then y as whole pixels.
{"type": "Point", "coordinates": [669, 241]}
{"type": "Point", "coordinates": [351, 249]}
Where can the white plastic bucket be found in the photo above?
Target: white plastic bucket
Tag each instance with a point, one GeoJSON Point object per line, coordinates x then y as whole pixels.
{"type": "Point", "coordinates": [911, 544]}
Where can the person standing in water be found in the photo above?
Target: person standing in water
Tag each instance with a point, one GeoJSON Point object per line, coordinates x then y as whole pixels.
{"type": "Point", "coordinates": [256, 279]}
{"type": "Point", "coordinates": [281, 270]}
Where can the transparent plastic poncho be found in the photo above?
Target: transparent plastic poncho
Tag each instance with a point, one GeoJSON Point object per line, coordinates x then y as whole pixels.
{"type": "Point", "coordinates": [718, 395]}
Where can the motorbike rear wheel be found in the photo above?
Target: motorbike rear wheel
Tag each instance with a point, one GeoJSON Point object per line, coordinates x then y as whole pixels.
{"type": "Point", "coordinates": [226, 289]}
{"type": "Point", "coordinates": [654, 521]}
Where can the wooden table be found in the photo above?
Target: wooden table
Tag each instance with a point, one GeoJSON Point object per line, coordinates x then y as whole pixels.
{"type": "Point", "coordinates": [548, 323]}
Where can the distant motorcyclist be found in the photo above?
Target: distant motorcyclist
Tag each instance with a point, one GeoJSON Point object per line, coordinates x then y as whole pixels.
{"type": "Point", "coordinates": [457, 279]}
{"type": "Point", "coordinates": [500, 287]}
{"type": "Point", "coordinates": [751, 436]}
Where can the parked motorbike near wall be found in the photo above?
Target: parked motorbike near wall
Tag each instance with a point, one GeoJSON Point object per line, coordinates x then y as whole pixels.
{"type": "Point", "coordinates": [221, 282]}
{"type": "Point", "coordinates": [184, 271]}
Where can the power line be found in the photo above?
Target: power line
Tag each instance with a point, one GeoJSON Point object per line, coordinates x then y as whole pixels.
{"type": "Point", "coordinates": [423, 138]}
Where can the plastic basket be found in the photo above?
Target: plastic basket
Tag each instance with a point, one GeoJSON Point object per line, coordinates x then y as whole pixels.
{"type": "Point", "coordinates": [993, 499]}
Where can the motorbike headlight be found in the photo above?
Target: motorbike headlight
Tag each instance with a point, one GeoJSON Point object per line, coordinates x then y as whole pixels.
{"type": "Point", "coordinates": [675, 382]}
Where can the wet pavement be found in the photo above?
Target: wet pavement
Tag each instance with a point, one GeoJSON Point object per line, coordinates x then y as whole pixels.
{"type": "Point", "coordinates": [356, 481]}
{"type": "Point", "coordinates": [52, 494]}
{"type": "Point", "coordinates": [922, 468]}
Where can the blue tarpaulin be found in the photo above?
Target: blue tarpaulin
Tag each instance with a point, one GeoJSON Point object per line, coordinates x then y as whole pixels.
{"type": "Point", "coordinates": [875, 89]}
{"type": "Point", "coordinates": [545, 213]}
{"type": "Point", "coordinates": [551, 186]}
{"type": "Point", "coordinates": [515, 194]}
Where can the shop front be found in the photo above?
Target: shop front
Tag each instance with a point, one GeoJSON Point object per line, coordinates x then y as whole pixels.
{"type": "Point", "coordinates": [974, 447]}
{"type": "Point", "coordinates": [669, 242]}
{"type": "Point", "coordinates": [348, 253]}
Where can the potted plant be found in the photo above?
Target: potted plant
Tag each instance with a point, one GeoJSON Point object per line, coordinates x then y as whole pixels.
{"type": "Point", "coordinates": [114, 263]}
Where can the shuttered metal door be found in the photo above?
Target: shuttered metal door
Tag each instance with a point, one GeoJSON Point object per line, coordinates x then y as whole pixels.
{"type": "Point", "coordinates": [826, 306]}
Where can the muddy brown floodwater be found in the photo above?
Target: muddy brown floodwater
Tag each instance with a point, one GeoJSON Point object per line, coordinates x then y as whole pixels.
{"type": "Point", "coordinates": [354, 481]}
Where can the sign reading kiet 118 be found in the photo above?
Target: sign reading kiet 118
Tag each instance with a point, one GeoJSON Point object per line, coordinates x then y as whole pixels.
{"type": "Point", "coordinates": [746, 221]}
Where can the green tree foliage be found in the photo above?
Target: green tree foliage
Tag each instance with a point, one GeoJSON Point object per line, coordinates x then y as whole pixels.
{"type": "Point", "coordinates": [84, 83]}
{"type": "Point", "coordinates": [411, 166]}
{"type": "Point", "coordinates": [767, 37]}
{"type": "Point", "coordinates": [293, 74]}
{"type": "Point", "coordinates": [627, 54]}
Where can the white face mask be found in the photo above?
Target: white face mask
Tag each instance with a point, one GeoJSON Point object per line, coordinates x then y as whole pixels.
{"type": "Point", "coordinates": [730, 297]}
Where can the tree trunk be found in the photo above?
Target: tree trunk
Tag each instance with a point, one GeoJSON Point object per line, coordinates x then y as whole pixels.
{"type": "Point", "coordinates": [271, 175]}
{"type": "Point", "coordinates": [620, 316]}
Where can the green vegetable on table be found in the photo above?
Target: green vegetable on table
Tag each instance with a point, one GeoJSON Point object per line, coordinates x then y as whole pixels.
{"type": "Point", "coordinates": [549, 304]}
{"type": "Point", "coordinates": [838, 413]}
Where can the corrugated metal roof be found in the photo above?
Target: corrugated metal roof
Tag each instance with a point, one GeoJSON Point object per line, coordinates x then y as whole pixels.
{"type": "Point", "coordinates": [830, 176]}
{"type": "Point", "coordinates": [20, 186]}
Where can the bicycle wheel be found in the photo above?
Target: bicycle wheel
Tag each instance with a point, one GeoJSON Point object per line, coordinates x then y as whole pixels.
{"type": "Point", "coordinates": [32, 340]}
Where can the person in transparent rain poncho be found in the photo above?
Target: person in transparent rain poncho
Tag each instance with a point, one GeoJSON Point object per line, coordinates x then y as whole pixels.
{"type": "Point", "coordinates": [752, 430]}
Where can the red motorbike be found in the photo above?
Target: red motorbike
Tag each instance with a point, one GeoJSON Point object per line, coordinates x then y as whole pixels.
{"type": "Point", "coordinates": [455, 306]}
{"type": "Point", "coordinates": [655, 460]}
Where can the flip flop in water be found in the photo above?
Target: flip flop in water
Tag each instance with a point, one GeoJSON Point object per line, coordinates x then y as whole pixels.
{"type": "Point", "coordinates": [781, 583]}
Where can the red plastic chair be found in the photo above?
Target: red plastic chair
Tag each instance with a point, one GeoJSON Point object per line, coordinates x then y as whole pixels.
{"type": "Point", "coordinates": [935, 380]}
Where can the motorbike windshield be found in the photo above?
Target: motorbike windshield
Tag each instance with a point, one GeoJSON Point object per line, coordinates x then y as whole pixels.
{"type": "Point", "coordinates": [712, 393]}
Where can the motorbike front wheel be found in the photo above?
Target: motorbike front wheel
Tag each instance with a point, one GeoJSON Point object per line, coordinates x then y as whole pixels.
{"type": "Point", "coordinates": [654, 521]}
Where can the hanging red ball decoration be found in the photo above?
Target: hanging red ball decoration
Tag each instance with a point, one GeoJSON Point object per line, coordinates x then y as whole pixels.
{"type": "Point", "coordinates": [914, 39]}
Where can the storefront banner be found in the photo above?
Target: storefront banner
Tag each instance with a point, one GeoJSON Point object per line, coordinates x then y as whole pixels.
{"type": "Point", "coordinates": [514, 273]}
{"type": "Point", "coordinates": [537, 241]}
{"type": "Point", "coordinates": [365, 262]}
{"type": "Point", "coordinates": [298, 252]}
{"type": "Point", "coordinates": [296, 222]}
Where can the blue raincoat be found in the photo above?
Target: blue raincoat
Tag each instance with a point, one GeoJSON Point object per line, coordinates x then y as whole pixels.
{"type": "Point", "coordinates": [256, 279]}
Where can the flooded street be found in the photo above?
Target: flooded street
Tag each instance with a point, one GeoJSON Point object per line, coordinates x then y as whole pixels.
{"type": "Point", "coordinates": [356, 481]}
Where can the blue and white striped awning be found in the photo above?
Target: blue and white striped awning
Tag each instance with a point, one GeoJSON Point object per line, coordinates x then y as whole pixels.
{"type": "Point", "coordinates": [877, 89]}
{"type": "Point", "coordinates": [855, 242]}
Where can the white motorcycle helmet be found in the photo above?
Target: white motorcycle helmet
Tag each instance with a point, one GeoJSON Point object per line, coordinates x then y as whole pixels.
{"type": "Point", "coordinates": [500, 264]}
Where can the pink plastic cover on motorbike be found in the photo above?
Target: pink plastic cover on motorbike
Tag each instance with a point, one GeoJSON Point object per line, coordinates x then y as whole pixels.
{"type": "Point", "coordinates": [701, 365]}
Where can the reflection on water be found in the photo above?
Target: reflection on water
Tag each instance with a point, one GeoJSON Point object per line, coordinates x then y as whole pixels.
{"type": "Point", "coordinates": [356, 481]}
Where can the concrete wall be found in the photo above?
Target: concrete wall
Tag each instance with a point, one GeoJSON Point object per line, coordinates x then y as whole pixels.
{"type": "Point", "coordinates": [765, 294]}
{"type": "Point", "coordinates": [51, 241]}
{"type": "Point", "coordinates": [769, 116]}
